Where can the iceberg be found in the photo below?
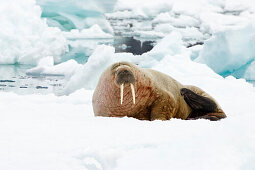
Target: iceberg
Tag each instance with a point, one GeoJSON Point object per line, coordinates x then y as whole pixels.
{"type": "Point", "coordinates": [230, 51]}
{"type": "Point", "coordinates": [75, 14]}
{"type": "Point", "coordinates": [25, 37]}
{"type": "Point", "coordinates": [94, 32]}
{"type": "Point", "coordinates": [46, 67]}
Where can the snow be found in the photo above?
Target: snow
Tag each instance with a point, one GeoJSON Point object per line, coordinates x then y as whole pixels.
{"type": "Point", "coordinates": [182, 21]}
{"type": "Point", "coordinates": [88, 74]}
{"type": "Point", "coordinates": [148, 9]}
{"type": "Point", "coordinates": [25, 38]}
{"type": "Point", "coordinates": [164, 28]}
{"type": "Point", "coordinates": [149, 34]}
{"type": "Point", "coordinates": [46, 67]}
{"type": "Point", "coordinates": [162, 18]}
{"type": "Point", "coordinates": [102, 22]}
{"type": "Point", "coordinates": [93, 32]}
{"type": "Point", "coordinates": [125, 14]}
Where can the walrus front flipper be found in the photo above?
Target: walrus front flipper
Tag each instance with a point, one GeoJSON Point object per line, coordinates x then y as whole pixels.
{"type": "Point", "coordinates": [201, 106]}
{"type": "Point", "coordinates": [197, 102]}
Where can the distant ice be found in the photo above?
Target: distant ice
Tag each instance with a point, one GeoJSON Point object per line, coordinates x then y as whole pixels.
{"type": "Point", "coordinates": [224, 26]}
{"type": "Point", "coordinates": [46, 67]}
{"type": "Point", "coordinates": [207, 17]}
{"type": "Point", "coordinates": [169, 56]}
{"type": "Point", "coordinates": [93, 32]}
{"type": "Point", "coordinates": [76, 14]}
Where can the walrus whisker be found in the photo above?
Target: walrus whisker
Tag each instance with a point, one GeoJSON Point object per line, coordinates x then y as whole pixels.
{"type": "Point", "coordinates": [121, 93]}
{"type": "Point", "coordinates": [133, 92]}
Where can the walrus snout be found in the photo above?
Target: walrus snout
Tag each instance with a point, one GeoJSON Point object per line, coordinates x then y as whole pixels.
{"type": "Point", "coordinates": [124, 76]}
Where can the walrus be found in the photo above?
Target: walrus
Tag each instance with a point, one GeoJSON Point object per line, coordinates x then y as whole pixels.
{"type": "Point", "coordinates": [125, 89]}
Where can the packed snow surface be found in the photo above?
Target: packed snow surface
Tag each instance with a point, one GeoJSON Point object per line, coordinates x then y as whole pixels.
{"type": "Point", "coordinates": [46, 132]}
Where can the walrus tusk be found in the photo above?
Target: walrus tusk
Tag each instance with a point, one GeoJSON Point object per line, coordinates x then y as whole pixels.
{"type": "Point", "coordinates": [133, 92]}
{"type": "Point", "coordinates": [121, 93]}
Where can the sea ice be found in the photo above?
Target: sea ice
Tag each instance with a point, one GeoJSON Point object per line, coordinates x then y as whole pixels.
{"type": "Point", "coordinates": [94, 32]}
{"type": "Point", "coordinates": [229, 50]}
{"type": "Point", "coordinates": [76, 14]}
{"type": "Point", "coordinates": [25, 38]}
{"type": "Point", "coordinates": [249, 73]}
{"type": "Point", "coordinates": [46, 67]}
{"type": "Point", "coordinates": [169, 50]}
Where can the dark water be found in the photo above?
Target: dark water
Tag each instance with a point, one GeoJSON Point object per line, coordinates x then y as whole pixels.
{"type": "Point", "coordinates": [13, 78]}
{"type": "Point", "coordinates": [132, 45]}
{"type": "Point", "coordinates": [81, 49]}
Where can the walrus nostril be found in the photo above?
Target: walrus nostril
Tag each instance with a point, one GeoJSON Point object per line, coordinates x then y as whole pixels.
{"type": "Point", "coordinates": [124, 72]}
{"type": "Point", "coordinates": [125, 76]}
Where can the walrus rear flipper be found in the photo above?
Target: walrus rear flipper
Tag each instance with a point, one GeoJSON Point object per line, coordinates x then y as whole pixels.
{"type": "Point", "coordinates": [201, 106]}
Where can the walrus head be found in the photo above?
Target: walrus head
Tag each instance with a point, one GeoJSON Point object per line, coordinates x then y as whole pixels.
{"type": "Point", "coordinates": [123, 90]}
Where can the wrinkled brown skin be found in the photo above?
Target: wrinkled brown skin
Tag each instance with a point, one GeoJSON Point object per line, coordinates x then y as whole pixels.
{"type": "Point", "coordinates": [157, 96]}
